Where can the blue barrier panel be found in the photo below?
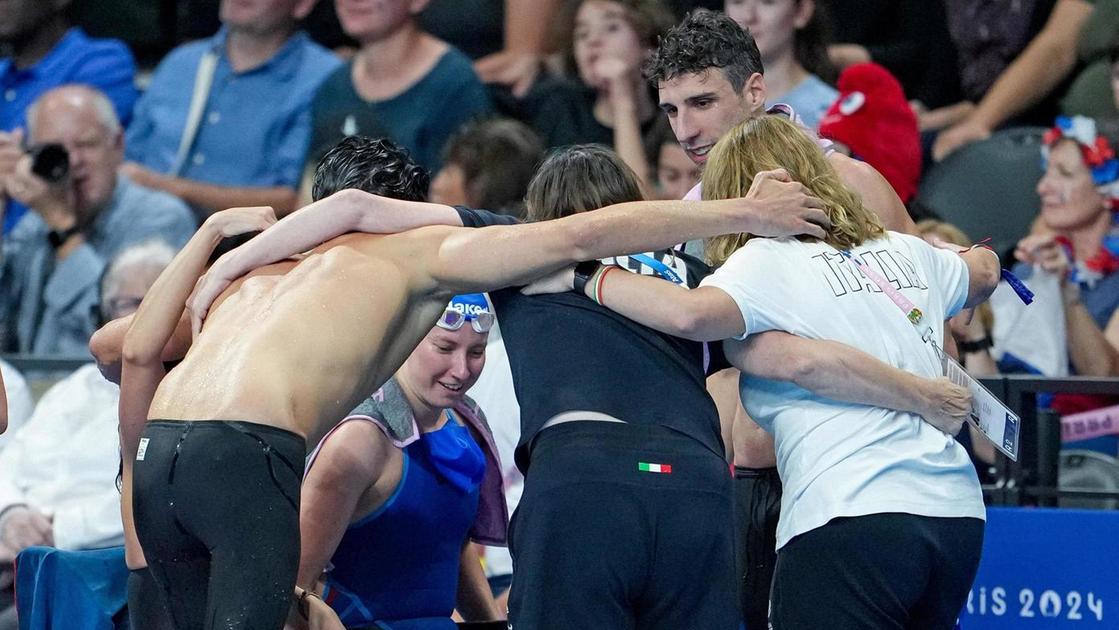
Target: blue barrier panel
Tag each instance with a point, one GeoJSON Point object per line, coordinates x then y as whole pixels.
{"type": "Point", "coordinates": [1046, 568]}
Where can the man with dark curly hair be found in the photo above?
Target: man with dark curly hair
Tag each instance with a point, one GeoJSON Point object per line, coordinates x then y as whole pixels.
{"type": "Point", "coordinates": [709, 75]}
{"type": "Point", "coordinates": [376, 165]}
{"type": "Point", "coordinates": [708, 72]}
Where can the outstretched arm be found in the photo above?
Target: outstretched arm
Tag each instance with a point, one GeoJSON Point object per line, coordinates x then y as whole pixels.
{"type": "Point", "coordinates": [700, 314]}
{"type": "Point", "coordinates": [838, 371]}
{"type": "Point", "coordinates": [826, 368]}
{"type": "Point", "coordinates": [488, 258]}
{"type": "Point", "coordinates": [349, 210]}
{"type": "Point", "coordinates": [1037, 71]}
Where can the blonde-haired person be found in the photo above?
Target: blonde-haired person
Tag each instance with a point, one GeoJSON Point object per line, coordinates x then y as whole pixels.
{"type": "Point", "coordinates": [852, 472]}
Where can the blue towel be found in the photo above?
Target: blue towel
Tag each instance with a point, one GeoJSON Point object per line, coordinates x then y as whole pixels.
{"type": "Point", "coordinates": [62, 590]}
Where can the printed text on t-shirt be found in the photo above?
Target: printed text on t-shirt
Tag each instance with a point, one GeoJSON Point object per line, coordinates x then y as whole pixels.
{"type": "Point", "coordinates": [846, 279]}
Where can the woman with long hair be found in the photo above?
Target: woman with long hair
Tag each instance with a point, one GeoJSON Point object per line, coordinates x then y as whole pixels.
{"type": "Point", "coordinates": [851, 472]}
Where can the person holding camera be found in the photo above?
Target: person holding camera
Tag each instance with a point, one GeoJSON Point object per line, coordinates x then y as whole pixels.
{"type": "Point", "coordinates": [41, 50]}
{"type": "Point", "coordinates": [83, 213]}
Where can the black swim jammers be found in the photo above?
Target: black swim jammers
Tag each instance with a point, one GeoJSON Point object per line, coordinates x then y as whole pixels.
{"type": "Point", "coordinates": [216, 506]}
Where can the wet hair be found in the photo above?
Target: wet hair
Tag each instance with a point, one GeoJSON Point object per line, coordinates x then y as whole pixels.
{"type": "Point", "coordinates": [375, 165]}
{"type": "Point", "coordinates": [649, 19]}
{"type": "Point", "coordinates": [498, 158]}
{"type": "Point", "coordinates": [580, 178]}
{"type": "Point", "coordinates": [771, 142]}
{"type": "Point", "coordinates": [702, 41]}
{"type": "Point", "coordinates": [228, 244]}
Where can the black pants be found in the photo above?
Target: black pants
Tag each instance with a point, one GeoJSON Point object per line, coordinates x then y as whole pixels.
{"type": "Point", "coordinates": [217, 513]}
{"type": "Point", "coordinates": [882, 571]}
{"type": "Point", "coordinates": [757, 506]}
{"type": "Point", "coordinates": [599, 543]}
{"type": "Point", "coordinates": [146, 610]}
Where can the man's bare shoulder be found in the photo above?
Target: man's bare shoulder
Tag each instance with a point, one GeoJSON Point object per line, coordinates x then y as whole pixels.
{"type": "Point", "coordinates": [876, 192]}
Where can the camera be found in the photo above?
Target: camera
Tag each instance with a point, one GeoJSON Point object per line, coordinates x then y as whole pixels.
{"type": "Point", "coordinates": [50, 161]}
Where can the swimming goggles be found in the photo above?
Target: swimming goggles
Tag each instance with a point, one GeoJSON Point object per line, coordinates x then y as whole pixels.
{"type": "Point", "coordinates": [453, 319]}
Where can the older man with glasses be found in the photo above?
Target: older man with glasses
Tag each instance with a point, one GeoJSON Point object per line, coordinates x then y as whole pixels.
{"type": "Point", "coordinates": [53, 259]}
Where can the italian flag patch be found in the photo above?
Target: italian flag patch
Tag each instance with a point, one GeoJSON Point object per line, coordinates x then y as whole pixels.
{"type": "Point", "coordinates": [654, 468]}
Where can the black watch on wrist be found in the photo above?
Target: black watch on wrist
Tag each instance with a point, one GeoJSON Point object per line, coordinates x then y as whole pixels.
{"type": "Point", "coordinates": [583, 273]}
{"type": "Point", "coordinates": [58, 237]}
{"type": "Point", "coordinates": [968, 347]}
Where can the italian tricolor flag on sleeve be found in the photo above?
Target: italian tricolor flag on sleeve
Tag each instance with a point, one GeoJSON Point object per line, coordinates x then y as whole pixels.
{"type": "Point", "coordinates": [654, 468]}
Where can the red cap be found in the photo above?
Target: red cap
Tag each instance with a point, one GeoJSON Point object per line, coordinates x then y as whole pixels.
{"type": "Point", "coordinates": [872, 117]}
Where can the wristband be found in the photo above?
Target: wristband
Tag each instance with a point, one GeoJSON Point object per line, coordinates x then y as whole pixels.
{"type": "Point", "coordinates": [58, 237]}
{"type": "Point", "coordinates": [599, 281]}
{"type": "Point", "coordinates": [969, 347]}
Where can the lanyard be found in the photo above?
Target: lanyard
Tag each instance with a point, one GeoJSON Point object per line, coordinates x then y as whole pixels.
{"type": "Point", "coordinates": [988, 414]}
{"type": "Point", "coordinates": [912, 313]}
{"type": "Point", "coordinates": [661, 269]}
{"type": "Point", "coordinates": [668, 273]}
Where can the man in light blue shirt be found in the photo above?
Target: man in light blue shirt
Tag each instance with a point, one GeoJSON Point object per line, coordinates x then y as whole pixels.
{"type": "Point", "coordinates": [42, 52]}
{"type": "Point", "coordinates": [254, 125]}
{"type": "Point", "coordinates": [52, 261]}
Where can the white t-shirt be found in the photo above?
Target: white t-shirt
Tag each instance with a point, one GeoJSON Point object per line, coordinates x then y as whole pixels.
{"type": "Point", "coordinates": [63, 462]}
{"type": "Point", "coordinates": [837, 459]}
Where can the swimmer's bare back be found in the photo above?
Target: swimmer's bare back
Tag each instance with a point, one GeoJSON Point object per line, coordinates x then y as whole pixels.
{"type": "Point", "coordinates": [297, 344]}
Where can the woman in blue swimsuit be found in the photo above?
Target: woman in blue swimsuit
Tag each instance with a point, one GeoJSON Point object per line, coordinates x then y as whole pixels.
{"type": "Point", "coordinates": [395, 493]}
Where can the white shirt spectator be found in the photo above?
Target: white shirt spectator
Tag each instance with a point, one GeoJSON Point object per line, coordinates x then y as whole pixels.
{"type": "Point", "coordinates": [837, 459]}
{"type": "Point", "coordinates": [64, 462]}
{"type": "Point", "coordinates": [20, 402]}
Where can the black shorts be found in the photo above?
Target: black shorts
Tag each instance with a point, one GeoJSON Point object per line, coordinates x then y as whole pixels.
{"type": "Point", "coordinates": [757, 506]}
{"type": "Point", "coordinates": [600, 540]}
{"type": "Point", "coordinates": [145, 603]}
{"type": "Point", "coordinates": [881, 571]}
{"type": "Point", "coordinates": [216, 506]}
